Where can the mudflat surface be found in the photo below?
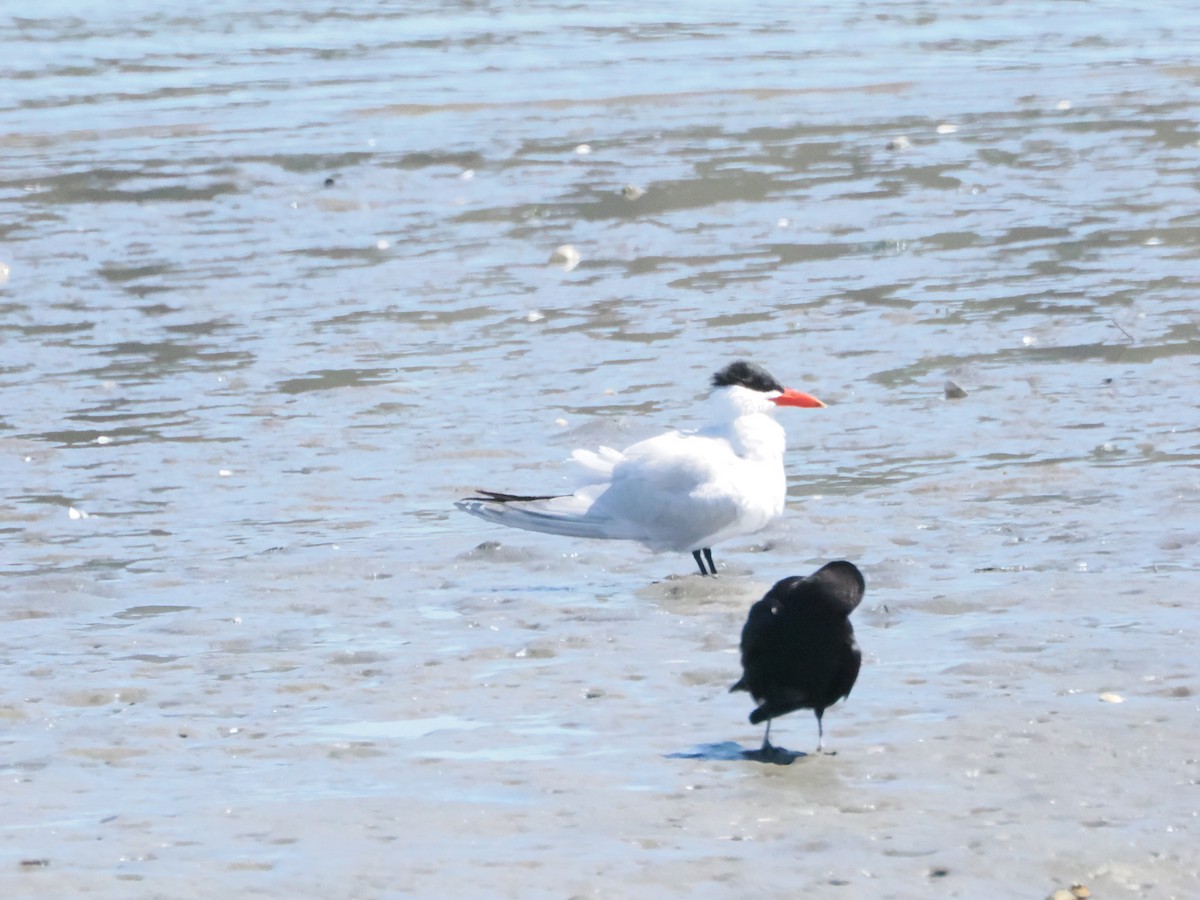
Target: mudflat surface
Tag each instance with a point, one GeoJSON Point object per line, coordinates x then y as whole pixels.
{"type": "Point", "coordinates": [277, 289]}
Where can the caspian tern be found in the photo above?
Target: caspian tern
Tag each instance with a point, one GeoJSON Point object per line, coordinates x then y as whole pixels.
{"type": "Point", "coordinates": [798, 647]}
{"type": "Point", "coordinates": [683, 491]}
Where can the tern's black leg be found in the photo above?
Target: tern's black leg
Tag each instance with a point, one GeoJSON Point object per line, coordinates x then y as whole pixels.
{"type": "Point", "coordinates": [767, 739]}
{"type": "Point", "coordinates": [712, 569]}
{"type": "Point", "coordinates": [820, 730]}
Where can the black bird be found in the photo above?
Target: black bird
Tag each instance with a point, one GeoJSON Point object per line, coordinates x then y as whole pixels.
{"type": "Point", "coordinates": [798, 647]}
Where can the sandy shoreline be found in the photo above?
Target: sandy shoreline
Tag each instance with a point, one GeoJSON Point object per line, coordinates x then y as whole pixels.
{"type": "Point", "coordinates": [520, 745]}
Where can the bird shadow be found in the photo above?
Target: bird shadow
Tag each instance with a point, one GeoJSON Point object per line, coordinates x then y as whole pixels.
{"type": "Point", "coordinates": [731, 751]}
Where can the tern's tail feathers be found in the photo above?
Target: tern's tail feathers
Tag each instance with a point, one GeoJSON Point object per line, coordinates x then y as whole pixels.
{"type": "Point", "coordinates": [566, 515]}
{"type": "Point", "coordinates": [598, 463]}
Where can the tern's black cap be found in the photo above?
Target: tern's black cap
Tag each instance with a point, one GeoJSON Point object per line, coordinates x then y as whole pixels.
{"type": "Point", "coordinates": [747, 375]}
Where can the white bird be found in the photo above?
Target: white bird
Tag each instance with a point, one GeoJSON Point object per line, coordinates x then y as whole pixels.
{"type": "Point", "coordinates": [682, 491]}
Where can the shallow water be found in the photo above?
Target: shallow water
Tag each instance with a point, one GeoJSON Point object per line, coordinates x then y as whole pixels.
{"type": "Point", "coordinates": [278, 291]}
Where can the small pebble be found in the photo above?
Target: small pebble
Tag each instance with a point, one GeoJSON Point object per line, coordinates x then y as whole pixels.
{"type": "Point", "coordinates": [947, 128]}
{"type": "Point", "coordinates": [1109, 697]}
{"type": "Point", "coordinates": [583, 149]}
{"type": "Point", "coordinates": [953, 391]}
{"type": "Point", "coordinates": [565, 256]}
{"type": "Point", "coordinates": [1075, 892]}
{"type": "Point", "coordinates": [77, 513]}
{"type": "Point", "coordinates": [1063, 105]}
{"type": "Point", "coordinates": [632, 192]}
{"type": "Point", "coordinates": [899, 143]}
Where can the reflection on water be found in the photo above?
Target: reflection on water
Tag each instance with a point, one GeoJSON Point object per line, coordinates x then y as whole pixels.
{"type": "Point", "coordinates": [403, 730]}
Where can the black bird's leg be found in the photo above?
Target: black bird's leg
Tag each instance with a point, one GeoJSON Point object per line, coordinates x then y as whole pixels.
{"type": "Point", "coordinates": [820, 730]}
{"type": "Point", "coordinates": [767, 739]}
{"type": "Point", "coordinates": [712, 566]}
{"type": "Point", "coordinates": [699, 561]}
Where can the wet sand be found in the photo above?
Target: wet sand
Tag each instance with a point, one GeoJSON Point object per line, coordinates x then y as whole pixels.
{"type": "Point", "coordinates": [552, 742]}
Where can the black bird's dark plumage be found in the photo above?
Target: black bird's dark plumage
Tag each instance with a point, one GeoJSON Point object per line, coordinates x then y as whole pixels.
{"type": "Point", "coordinates": [798, 647]}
